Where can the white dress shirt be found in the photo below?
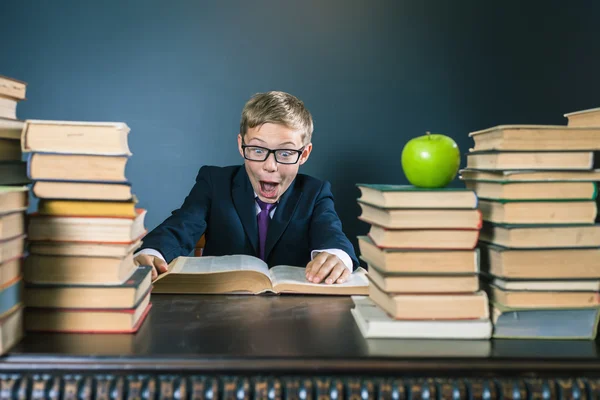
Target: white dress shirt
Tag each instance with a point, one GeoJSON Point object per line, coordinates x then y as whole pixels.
{"type": "Point", "coordinates": [342, 255]}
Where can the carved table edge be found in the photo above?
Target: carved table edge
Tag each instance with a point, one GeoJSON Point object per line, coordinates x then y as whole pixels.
{"type": "Point", "coordinates": [310, 365]}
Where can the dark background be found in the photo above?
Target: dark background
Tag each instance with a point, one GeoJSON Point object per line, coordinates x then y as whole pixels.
{"type": "Point", "coordinates": [373, 73]}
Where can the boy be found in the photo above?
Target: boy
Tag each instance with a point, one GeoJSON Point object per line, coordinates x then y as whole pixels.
{"type": "Point", "coordinates": [265, 208]}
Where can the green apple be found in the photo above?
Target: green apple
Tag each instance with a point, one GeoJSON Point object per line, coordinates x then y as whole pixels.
{"type": "Point", "coordinates": [431, 160]}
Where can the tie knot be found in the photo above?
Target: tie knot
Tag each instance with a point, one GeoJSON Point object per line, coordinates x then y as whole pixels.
{"type": "Point", "coordinates": [265, 206]}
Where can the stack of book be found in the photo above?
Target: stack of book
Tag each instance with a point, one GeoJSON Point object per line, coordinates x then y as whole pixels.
{"type": "Point", "coordinates": [80, 274]}
{"type": "Point", "coordinates": [540, 243]}
{"type": "Point", "coordinates": [423, 264]}
{"type": "Point", "coordinates": [14, 200]}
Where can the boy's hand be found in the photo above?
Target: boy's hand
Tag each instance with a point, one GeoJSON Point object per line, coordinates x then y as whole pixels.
{"type": "Point", "coordinates": [158, 265]}
{"type": "Point", "coordinates": [328, 267]}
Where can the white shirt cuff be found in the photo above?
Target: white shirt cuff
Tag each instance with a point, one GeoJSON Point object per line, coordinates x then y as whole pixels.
{"type": "Point", "coordinates": [150, 252]}
{"type": "Point", "coordinates": [342, 255]}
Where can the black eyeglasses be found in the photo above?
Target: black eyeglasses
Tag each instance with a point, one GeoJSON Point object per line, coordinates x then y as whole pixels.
{"type": "Point", "coordinates": [282, 156]}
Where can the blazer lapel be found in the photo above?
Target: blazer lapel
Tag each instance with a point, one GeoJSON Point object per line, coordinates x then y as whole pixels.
{"type": "Point", "coordinates": [282, 216]}
{"type": "Point", "coordinates": [243, 200]}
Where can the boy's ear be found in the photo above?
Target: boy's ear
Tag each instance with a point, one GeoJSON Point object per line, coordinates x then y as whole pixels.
{"type": "Point", "coordinates": [240, 145]}
{"type": "Point", "coordinates": [305, 153]}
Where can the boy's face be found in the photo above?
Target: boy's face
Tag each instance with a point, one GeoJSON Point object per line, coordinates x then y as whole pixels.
{"type": "Point", "coordinates": [269, 178]}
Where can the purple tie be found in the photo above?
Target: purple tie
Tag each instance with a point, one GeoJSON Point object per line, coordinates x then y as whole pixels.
{"type": "Point", "coordinates": [263, 224]}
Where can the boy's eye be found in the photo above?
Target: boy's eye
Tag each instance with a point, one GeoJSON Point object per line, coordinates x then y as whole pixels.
{"type": "Point", "coordinates": [257, 150]}
{"type": "Point", "coordinates": [284, 153]}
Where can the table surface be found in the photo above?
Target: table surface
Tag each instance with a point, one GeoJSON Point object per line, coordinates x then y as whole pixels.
{"type": "Point", "coordinates": [282, 332]}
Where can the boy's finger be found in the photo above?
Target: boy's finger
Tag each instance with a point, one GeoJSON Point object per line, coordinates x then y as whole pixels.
{"type": "Point", "coordinates": [325, 269]}
{"type": "Point", "coordinates": [160, 265]}
{"type": "Point", "coordinates": [142, 260]}
{"type": "Point", "coordinates": [154, 273]}
{"type": "Point", "coordinates": [308, 268]}
{"type": "Point", "coordinates": [344, 276]}
{"type": "Point", "coordinates": [335, 273]}
{"type": "Point", "coordinates": [313, 267]}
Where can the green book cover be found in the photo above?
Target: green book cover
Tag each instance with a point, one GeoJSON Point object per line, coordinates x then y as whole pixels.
{"type": "Point", "coordinates": [413, 274]}
{"type": "Point", "coordinates": [409, 188]}
{"type": "Point", "coordinates": [8, 189]}
{"type": "Point", "coordinates": [512, 182]}
{"type": "Point", "coordinates": [504, 201]}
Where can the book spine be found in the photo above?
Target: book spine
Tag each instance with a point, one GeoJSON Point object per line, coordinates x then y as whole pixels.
{"type": "Point", "coordinates": [126, 183]}
{"type": "Point", "coordinates": [72, 154]}
{"type": "Point", "coordinates": [123, 182]}
{"type": "Point", "coordinates": [24, 148]}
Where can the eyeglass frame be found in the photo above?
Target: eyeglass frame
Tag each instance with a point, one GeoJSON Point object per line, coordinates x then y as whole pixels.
{"type": "Point", "coordinates": [269, 151]}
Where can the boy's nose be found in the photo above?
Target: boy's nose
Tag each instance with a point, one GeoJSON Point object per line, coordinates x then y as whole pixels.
{"type": "Point", "coordinates": [270, 164]}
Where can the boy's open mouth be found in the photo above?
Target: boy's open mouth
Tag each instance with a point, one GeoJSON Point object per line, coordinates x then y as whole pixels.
{"type": "Point", "coordinates": [268, 189]}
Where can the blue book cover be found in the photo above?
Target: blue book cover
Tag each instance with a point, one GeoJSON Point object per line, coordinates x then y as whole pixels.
{"type": "Point", "coordinates": [576, 323]}
{"type": "Point", "coordinates": [10, 295]}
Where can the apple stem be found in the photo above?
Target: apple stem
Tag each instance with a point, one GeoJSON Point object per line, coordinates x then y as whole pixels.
{"type": "Point", "coordinates": [428, 135]}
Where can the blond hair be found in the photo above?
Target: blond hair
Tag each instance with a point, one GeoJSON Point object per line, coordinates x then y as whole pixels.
{"type": "Point", "coordinates": [277, 108]}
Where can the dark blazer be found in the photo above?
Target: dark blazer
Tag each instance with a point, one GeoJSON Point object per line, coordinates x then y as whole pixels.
{"type": "Point", "coordinates": [221, 204]}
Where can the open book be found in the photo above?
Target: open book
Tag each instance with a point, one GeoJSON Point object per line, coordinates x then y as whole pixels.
{"type": "Point", "coordinates": [247, 274]}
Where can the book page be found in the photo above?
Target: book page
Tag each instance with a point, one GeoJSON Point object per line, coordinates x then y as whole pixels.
{"type": "Point", "coordinates": [285, 274]}
{"type": "Point", "coordinates": [214, 274]}
{"type": "Point", "coordinates": [216, 264]}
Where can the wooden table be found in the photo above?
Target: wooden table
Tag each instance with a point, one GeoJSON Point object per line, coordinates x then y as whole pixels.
{"type": "Point", "coordinates": [286, 347]}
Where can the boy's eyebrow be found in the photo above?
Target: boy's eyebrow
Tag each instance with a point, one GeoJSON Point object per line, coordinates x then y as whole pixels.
{"type": "Point", "coordinates": [254, 138]}
{"type": "Point", "coordinates": [280, 144]}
